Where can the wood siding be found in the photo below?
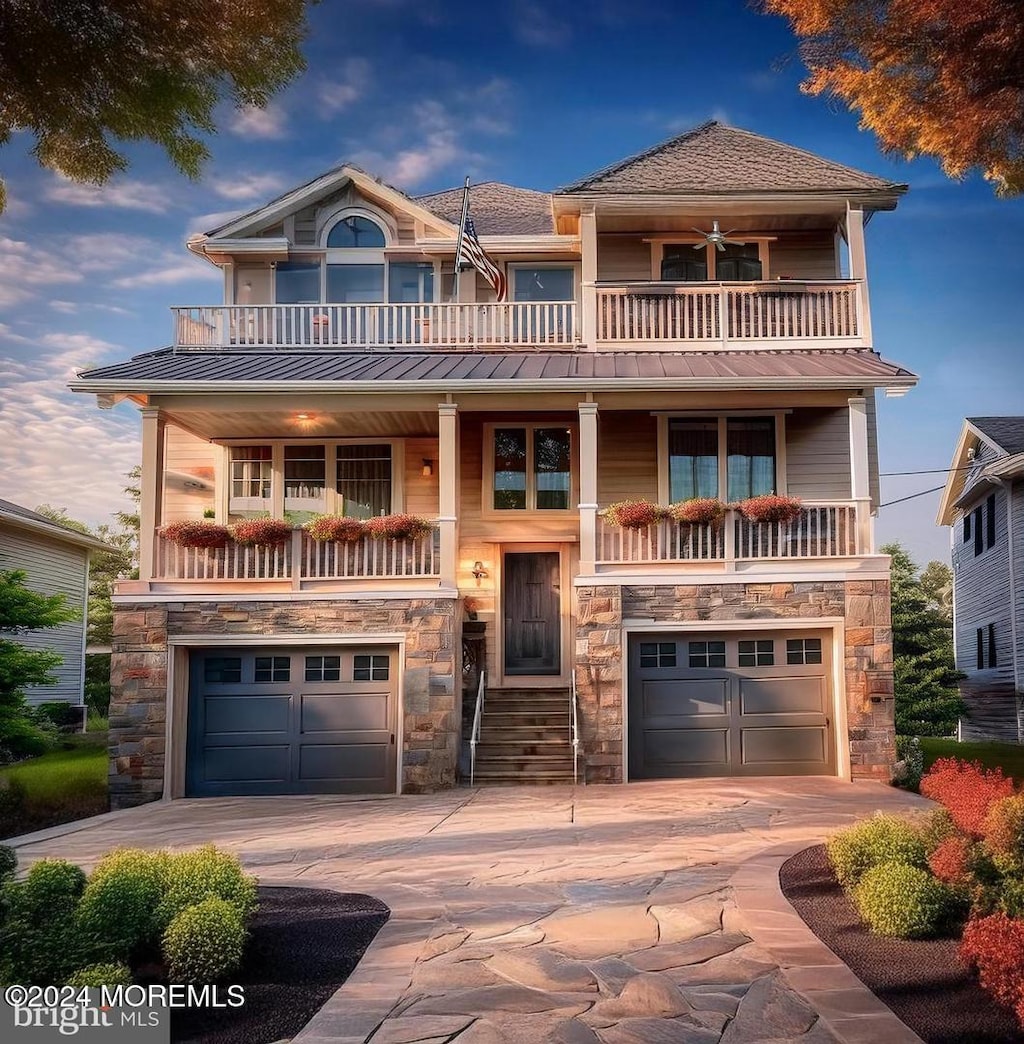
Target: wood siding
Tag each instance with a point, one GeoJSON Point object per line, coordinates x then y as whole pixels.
{"type": "Point", "coordinates": [810, 257]}
{"type": "Point", "coordinates": [187, 454]}
{"type": "Point", "coordinates": [818, 453]}
{"type": "Point", "coordinates": [52, 567]}
{"type": "Point", "coordinates": [1017, 498]}
{"type": "Point", "coordinates": [627, 457]}
{"type": "Point", "coordinates": [623, 259]}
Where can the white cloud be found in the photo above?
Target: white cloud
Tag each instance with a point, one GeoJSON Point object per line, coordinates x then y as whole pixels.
{"type": "Point", "coordinates": [24, 268]}
{"type": "Point", "coordinates": [537, 26]}
{"type": "Point", "coordinates": [168, 274]}
{"type": "Point", "coordinates": [204, 222]}
{"type": "Point", "coordinates": [333, 96]}
{"type": "Point", "coordinates": [270, 123]}
{"type": "Point", "coordinates": [125, 195]}
{"type": "Point", "coordinates": [247, 186]}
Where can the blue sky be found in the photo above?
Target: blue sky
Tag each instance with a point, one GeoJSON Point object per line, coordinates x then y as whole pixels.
{"type": "Point", "coordinates": [533, 94]}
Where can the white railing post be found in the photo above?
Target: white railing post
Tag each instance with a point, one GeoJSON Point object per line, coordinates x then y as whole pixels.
{"type": "Point", "coordinates": [574, 730]}
{"type": "Point", "coordinates": [729, 549]}
{"type": "Point", "coordinates": [474, 735]}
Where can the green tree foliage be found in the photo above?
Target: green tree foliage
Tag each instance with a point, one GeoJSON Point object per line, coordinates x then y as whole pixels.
{"type": "Point", "coordinates": [83, 76]}
{"type": "Point", "coordinates": [23, 610]}
{"type": "Point", "coordinates": [927, 700]}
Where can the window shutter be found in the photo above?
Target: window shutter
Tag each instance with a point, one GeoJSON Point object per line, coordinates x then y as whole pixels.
{"type": "Point", "coordinates": [992, 645]}
{"type": "Point", "coordinates": [981, 649]}
{"type": "Point", "coordinates": [979, 536]}
{"type": "Point", "coordinates": [990, 520]}
{"type": "Point", "coordinates": [967, 527]}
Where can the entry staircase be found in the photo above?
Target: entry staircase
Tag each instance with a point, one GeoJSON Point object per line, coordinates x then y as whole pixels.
{"type": "Point", "coordinates": [525, 737]}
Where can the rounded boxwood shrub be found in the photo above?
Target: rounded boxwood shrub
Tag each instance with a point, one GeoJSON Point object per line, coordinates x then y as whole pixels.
{"type": "Point", "coordinates": [873, 842]}
{"type": "Point", "coordinates": [112, 973]}
{"type": "Point", "coordinates": [904, 901]}
{"type": "Point", "coordinates": [203, 874]}
{"type": "Point", "coordinates": [204, 942]}
{"type": "Point", "coordinates": [118, 912]}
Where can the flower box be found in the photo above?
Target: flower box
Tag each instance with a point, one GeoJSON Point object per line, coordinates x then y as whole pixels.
{"type": "Point", "coordinates": [770, 508]}
{"type": "Point", "coordinates": [634, 514]}
{"type": "Point", "coordinates": [700, 511]}
{"type": "Point", "coordinates": [262, 532]}
{"type": "Point", "coordinates": [397, 527]}
{"type": "Point", "coordinates": [196, 533]}
{"type": "Point", "coordinates": [335, 528]}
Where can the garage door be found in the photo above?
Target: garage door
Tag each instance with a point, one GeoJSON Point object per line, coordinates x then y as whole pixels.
{"type": "Point", "coordinates": [292, 721]}
{"type": "Point", "coordinates": [730, 704]}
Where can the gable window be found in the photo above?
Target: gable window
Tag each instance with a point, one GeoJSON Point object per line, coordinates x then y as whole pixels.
{"type": "Point", "coordinates": [355, 262]}
{"type": "Point", "coordinates": [730, 458]}
{"type": "Point", "coordinates": [982, 522]}
{"type": "Point", "coordinates": [531, 468]}
{"type": "Point", "coordinates": [355, 232]}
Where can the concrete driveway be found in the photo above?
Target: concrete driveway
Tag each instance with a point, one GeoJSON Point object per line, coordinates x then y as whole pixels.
{"type": "Point", "coordinates": [640, 913]}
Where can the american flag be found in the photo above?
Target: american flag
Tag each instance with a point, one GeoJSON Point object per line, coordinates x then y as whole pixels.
{"type": "Point", "coordinates": [472, 253]}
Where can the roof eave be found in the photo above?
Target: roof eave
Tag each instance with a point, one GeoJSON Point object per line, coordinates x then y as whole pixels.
{"type": "Point", "coordinates": [54, 531]}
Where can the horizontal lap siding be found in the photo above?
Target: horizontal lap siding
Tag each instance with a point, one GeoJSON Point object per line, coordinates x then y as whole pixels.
{"type": "Point", "coordinates": [623, 259]}
{"type": "Point", "coordinates": [187, 454]}
{"type": "Point", "coordinates": [52, 568]}
{"type": "Point", "coordinates": [627, 457]}
{"type": "Point", "coordinates": [1018, 558]}
{"type": "Point", "coordinates": [808, 258]}
{"type": "Point", "coordinates": [421, 491]}
{"type": "Point", "coordinates": [818, 454]}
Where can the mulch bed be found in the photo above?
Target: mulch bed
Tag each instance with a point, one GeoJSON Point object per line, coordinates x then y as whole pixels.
{"type": "Point", "coordinates": [304, 944]}
{"type": "Point", "coordinates": [923, 981]}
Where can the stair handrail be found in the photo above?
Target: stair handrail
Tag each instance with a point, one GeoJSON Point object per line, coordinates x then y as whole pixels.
{"type": "Point", "coordinates": [574, 725]}
{"type": "Point", "coordinates": [474, 735]}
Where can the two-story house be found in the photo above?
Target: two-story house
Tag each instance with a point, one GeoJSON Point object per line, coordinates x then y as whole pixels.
{"type": "Point", "coordinates": [983, 504]}
{"type": "Point", "coordinates": [691, 322]}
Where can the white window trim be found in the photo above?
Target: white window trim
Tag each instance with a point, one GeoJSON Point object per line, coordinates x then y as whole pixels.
{"type": "Point", "coordinates": [779, 416]}
{"type": "Point", "coordinates": [277, 505]}
{"type": "Point", "coordinates": [328, 220]}
{"type": "Point", "coordinates": [488, 510]}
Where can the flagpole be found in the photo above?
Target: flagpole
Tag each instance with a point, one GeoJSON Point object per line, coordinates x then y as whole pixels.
{"type": "Point", "coordinates": [458, 243]}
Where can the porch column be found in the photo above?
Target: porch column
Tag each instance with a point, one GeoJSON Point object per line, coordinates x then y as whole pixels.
{"type": "Point", "coordinates": [448, 489]}
{"type": "Point", "coordinates": [860, 475]}
{"type": "Point", "coordinates": [588, 279]}
{"type": "Point", "coordinates": [859, 268]}
{"type": "Point", "coordinates": [588, 487]}
{"type": "Point", "coordinates": [151, 484]}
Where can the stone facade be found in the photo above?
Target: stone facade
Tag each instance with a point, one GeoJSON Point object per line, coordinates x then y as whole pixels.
{"type": "Point", "coordinates": [864, 605]}
{"type": "Point", "coordinates": [139, 670]}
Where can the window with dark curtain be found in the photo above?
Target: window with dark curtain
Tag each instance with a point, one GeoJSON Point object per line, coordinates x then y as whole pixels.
{"type": "Point", "coordinates": [364, 480]}
{"type": "Point", "coordinates": [992, 645]}
{"type": "Point", "coordinates": [738, 263]}
{"type": "Point", "coordinates": [751, 457]}
{"type": "Point", "coordinates": [305, 473]}
{"type": "Point", "coordinates": [990, 521]}
{"type": "Point", "coordinates": [692, 459]}
{"type": "Point", "coordinates": [684, 263]}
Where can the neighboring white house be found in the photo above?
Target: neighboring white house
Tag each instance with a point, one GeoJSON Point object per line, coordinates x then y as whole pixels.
{"type": "Point", "coordinates": [55, 560]}
{"type": "Point", "coordinates": [983, 504]}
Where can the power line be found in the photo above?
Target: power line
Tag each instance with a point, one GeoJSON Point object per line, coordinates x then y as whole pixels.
{"type": "Point", "coordinates": [932, 471]}
{"type": "Point", "coordinates": [923, 493]}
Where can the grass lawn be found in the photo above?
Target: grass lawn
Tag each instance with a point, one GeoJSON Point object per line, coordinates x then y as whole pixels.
{"type": "Point", "coordinates": [58, 787]}
{"type": "Point", "coordinates": [1007, 756]}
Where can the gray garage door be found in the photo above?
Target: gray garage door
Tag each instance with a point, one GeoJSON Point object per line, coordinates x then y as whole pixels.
{"type": "Point", "coordinates": [313, 720]}
{"type": "Point", "coordinates": [721, 704]}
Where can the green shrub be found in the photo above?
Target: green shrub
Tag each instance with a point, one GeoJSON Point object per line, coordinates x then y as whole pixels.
{"type": "Point", "coordinates": [1003, 832]}
{"type": "Point", "coordinates": [118, 912]}
{"type": "Point", "coordinates": [204, 874]}
{"type": "Point", "coordinates": [936, 827]}
{"type": "Point", "coordinates": [64, 716]}
{"type": "Point", "coordinates": [904, 901]}
{"type": "Point", "coordinates": [911, 757]}
{"type": "Point", "coordinates": [38, 938]}
{"type": "Point", "coordinates": [1011, 897]}
{"type": "Point", "coordinates": [113, 973]}
{"type": "Point", "coordinates": [204, 943]}
{"type": "Point", "coordinates": [881, 839]}
{"type": "Point", "coordinates": [8, 863]}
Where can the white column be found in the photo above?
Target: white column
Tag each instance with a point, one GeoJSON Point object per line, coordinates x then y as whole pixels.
{"type": "Point", "coordinates": [588, 487]}
{"type": "Point", "coordinates": [859, 267]}
{"type": "Point", "coordinates": [860, 475]}
{"type": "Point", "coordinates": [448, 489]}
{"type": "Point", "coordinates": [588, 278]}
{"type": "Point", "coordinates": [151, 484]}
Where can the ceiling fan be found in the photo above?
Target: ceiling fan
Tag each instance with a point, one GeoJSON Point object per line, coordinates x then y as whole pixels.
{"type": "Point", "coordinates": [717, 237]}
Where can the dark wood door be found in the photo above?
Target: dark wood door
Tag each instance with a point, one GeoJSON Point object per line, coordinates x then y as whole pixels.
{"type": "Point", "coordinates": [532, 613]}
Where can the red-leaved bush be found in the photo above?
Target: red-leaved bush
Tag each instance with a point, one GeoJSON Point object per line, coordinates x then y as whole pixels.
{"type": "Point", "coordinates": [967, 790]}
{"type": "Point", "coordinates": [336, 528]}
{"type": "Point", "coordinates": [995, 946]}
{"type": "Point", "coordinates": [261, 532]}
{"type": "Point", "coordinates": [950, 862]}
{"type": "Point", "coordinates": [633, 514]}
{"type": "Point", "coordinates": [699, 511]}
{"type": "Point", "coordinates": [1004, 833]}
{"type": "Point", "coordinates": [199, 532]}
{"type": "Point", "coordinates": [770, 507]}
{"type": "Point", "coordinates": [397, 527]}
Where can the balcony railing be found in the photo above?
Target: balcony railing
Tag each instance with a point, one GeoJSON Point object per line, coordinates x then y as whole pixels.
{"type": "Point", "coordinates": [733, 315]}
{"type": "Point", "coordinates": [300, 563]}
{"type": "Point", "coordinates": [823, 531]}
{"type": "Point", "coordinates": [376, 325]}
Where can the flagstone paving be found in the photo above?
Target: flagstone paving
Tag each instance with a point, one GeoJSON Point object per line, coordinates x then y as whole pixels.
{"type": "Point", "coordinates": [575, 915]}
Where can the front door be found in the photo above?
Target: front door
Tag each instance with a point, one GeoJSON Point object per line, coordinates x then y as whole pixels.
{"type": "Point", "coordinates": [532, 613]}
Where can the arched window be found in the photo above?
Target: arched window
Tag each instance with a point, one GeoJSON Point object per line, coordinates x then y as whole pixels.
{"type": "Point", "coordinates": [355, 232]}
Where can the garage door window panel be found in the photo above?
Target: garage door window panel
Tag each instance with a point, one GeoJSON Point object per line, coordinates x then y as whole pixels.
{"type": "Point", "coordinates": [323, 668]}
{"type": "Point", "coordinates": [803, 650]}
{"type": "Point", "coordinates": [223, 670]}
{"type": "Point", "coordinates": [273, 669]}
{"type": "Point", "coordinates": [757, 653]}
{"type": "Point", "coordinates": [657, 654]}
{"type": "Point", "coordinates": [371, 668]}
{"type": "Point", "coordinates": [707, 654]}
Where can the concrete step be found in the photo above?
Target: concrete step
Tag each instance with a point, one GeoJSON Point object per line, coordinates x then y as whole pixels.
{"type": "Point", "coordinates": [512, 691]}
{"type": "Point", "coordinates": [497, 748]}
{"type": "Point", "coordinates": [519, 779]}
{"type": "Point", "coordinates": [524, 733]}
{"type": "Point", "coordinates": [502, 720]}
{"type": "Point", "coordinates": [530, 765]}
{"type": "Point", "coordinates": [525, 706]}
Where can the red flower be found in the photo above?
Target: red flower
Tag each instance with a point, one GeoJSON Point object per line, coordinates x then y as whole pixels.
{"type": "Point", "coordinates": [634, 514]}
{"type": "Point", "coordinates": [967, 790]}
{"type": "Point", "coordinates": [398, 527]}
{"type": "Point", "coordinates": [262, 532]}
{"type": "Point", "coordinates": [335, 528]}
{"type": "Point", "coordinates": [770, 508]}
{"type": "Point", "coordinates": [196, 533]}
{"type": "Point", "coordinates": [700, 511]}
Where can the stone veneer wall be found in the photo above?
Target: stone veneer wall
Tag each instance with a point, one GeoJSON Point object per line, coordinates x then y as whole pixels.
{"type": "Point", "coordinates": [138, 704]}
{"type": "Point", "coordinates": [865, 605]}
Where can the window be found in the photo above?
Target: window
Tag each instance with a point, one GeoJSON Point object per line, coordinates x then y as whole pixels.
{"type": "Point", "coordinates": [355, 284]}
{"type": "Point", "coordinates": [685, 263]}
{"type": "Point", "coordinates": [967, 527]}
{"type": "Point", "coordinates": [698, 262]}
{"type": "Point", "coordinates": [990, 521]}
{"type": "Point", "coordinates": [364, 480]}
{"type": "Point", "coordinates": [738, 263]}
{"type": "Point", "coordinates": [657, 654]}
{"type": "Point", "coordinates": [223, 670]}
{"type": "Point", "coordinates": [410, 282]}
{"type": "Point", "coordinates": [297, 282]}
{"type": "Point", "coordinates": [702, 451]}
{"type": "Point", "coordinates": [251, 476]}
{"type": "Point", "coordinates": [986, 637]}
{"type": "Point", "coordinates": [371, 668]}
{"type": "Point", "coordinates": [979, 536]}
{"type": "Point", "coordinates": [305, 476]}
{"type": "Point", "coordinates": [273, 669]}
{"type": "Point", "coordinates": [356, 232]}
{"type": "Point", "coordinates": [323, 668]}
{"type": "Point", "coordinates": [707, 654]}
{"type": "Point", "coordinates": [542, 284]}
{"type": "Point", "coordinates": [803, 650]}
{"type": "Point", "coordinates": [759, 653]}
{"type": "Point", "coordinates": [532, 469]}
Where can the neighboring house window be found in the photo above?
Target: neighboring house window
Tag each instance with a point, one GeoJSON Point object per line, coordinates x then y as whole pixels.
{"type": "Point", "coordinates": [364, 480]}
{"type": "Point", "coordinates": [979, 535]}
{"type": "Point", "coordinates": [986, 640]}
{"type": "Point", "coordinates": [982, 524]}
{"type": "Point", "coordinates": [531, 468]}
{"type": "Point", "coordinates": [703, 451]}
{"type": "Point", "coordinates": [990, 521]}
{"type": "Point", "coordinates": [967, 527]}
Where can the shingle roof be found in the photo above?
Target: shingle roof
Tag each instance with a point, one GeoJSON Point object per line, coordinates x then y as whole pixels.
{"type": "Point", "coordinates": [1007, 432]}
{"type": "Point", "coordinates": [714, 158]}
{"type": "Point", "coordinates": [497, 209]}
{"type": "Point", "coordinates": [15, 514]}
{"type": "Point", "coordinates": [180, 370]}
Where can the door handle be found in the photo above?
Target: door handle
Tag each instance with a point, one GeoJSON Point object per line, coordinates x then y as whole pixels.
{"type": "Point", "coordinates": [392, 739]}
